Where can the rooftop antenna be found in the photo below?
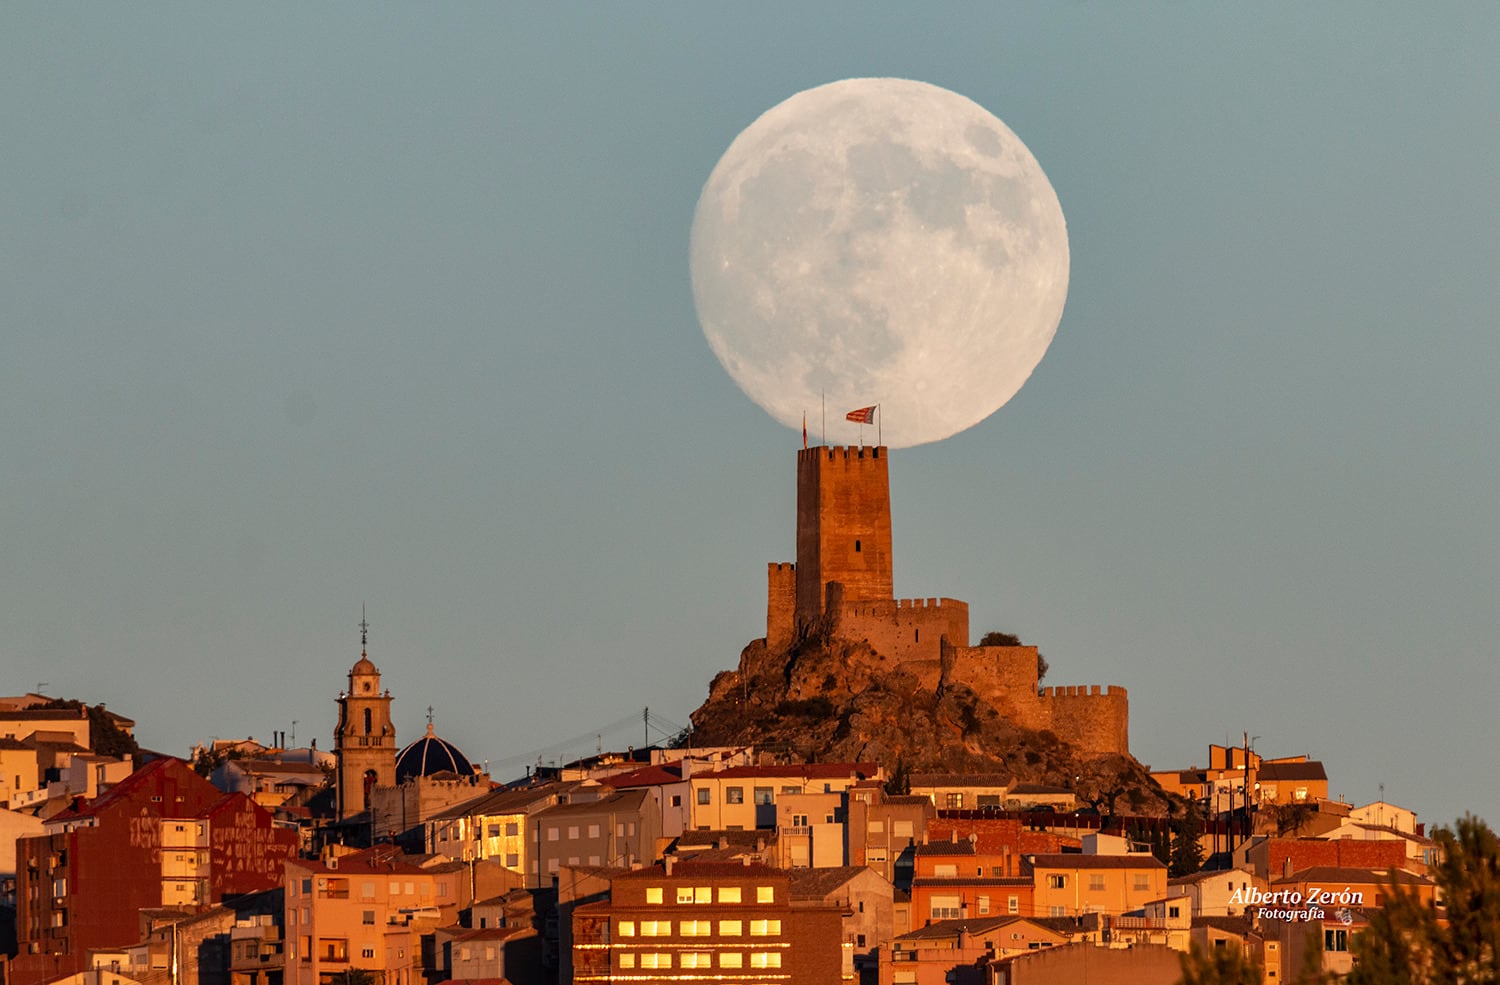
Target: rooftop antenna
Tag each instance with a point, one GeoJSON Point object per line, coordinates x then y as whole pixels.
{"type": "Point", "coordinates": [364, 630]}
{"type": "Point", "coordinates": [429, 718]}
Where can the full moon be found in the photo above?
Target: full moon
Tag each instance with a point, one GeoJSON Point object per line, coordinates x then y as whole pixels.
{"type": "Point", "coordinates": [879, 241]}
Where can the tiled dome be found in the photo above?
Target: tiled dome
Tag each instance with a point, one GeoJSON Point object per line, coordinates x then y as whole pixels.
{"type": "Point", "coordinates": [431, 754]}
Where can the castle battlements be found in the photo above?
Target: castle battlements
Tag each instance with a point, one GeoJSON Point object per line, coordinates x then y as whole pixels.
{"type": "Point", "coordinates": [841, 584]}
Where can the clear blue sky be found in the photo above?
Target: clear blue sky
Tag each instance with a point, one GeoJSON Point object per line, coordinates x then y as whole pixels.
{"type": "Point", "coordinates": [303, 307]}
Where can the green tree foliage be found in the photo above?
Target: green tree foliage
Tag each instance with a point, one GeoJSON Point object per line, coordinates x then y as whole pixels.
{"type": "Point", "coordinates": [997, 638]}
{"type": "Point", "coordinates": [1220, 966]}
{"type": "Point", "coordinates": [1187, 851]}
{"type": "Point", "coordinates": [106, 738]}
{"type": "Point", "coordinates": [1409, 942]}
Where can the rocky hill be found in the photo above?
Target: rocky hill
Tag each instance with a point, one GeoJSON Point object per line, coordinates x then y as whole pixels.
{"type": "Point", "coordinates": [829, 699]}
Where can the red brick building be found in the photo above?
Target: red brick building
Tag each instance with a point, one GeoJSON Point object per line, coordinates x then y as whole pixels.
{"type": "Point", "coordinates": [710, 921]}
{"type": "Point", "coordinates": [162, 837]}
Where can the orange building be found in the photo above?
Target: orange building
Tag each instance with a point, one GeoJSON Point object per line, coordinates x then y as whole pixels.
{"type": "Point", "coordinates": [955, 880]}
{"type": "Point", "coordinates": [366, 911]}
{"type": "Point", "coordinates": [1071, 885]}
{"type": "Point", "coordinates": [710, 921]}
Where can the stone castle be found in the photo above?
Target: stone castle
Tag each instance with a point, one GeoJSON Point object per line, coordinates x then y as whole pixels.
{"type": "Point", "coordinates": [841, 587]}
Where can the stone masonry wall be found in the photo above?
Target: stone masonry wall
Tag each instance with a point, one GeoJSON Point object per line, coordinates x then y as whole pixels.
{"type": "Point", "coordinates": [781, 605]}
{"type": "Point", "coordinates": [902, 629]}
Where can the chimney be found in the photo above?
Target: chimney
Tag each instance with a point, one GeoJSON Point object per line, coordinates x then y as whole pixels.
{"type": "Point", "coordinates": [668, 861]}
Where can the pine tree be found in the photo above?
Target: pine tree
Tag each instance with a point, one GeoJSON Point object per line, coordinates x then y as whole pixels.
{"type": "Point", "coordinates": [1407, 943]}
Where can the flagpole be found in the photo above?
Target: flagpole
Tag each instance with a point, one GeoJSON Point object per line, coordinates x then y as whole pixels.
{"type": "Point", "coordinates": [879, 426]}
{"type": "Point", "coordinates": [825, 418]}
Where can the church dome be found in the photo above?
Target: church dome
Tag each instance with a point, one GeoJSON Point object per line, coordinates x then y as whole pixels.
{"type": "Point", "coordinates": [365, 667]}
{"type": "Point", "coordinates": [431, 754]}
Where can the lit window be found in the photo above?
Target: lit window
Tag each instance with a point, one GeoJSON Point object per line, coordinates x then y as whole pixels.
{"type": "Point", "coordinates": [653, 894]}
{"type": "Point", "coordinates": [656, 928]}
{"type": "Point", "coordinates": [765, 894]}
{"type": "Point", "coordinates": [656, 960]}
{"type": "Point", "coordinates": [696, 928]}
{"type": "Point", "coordinates": [955, 801]}
{"type": "Point", "coordinates": [627, 960]}
{"type": "Point", "coordinates": [626, 928]}
{"type": "Point", "coordinates": [765, 959]}
{"type": "Point", "coordinates": [703, 894]}
{"type": "Point", "coordinates": [731, 928]}
{"type": "Point", "coordinates": [765, 928]}
{"type": "Point", "coordinates": [729, 894]}
{"type": "Point", "coordinates": [731, 960]}
{"type": "Point", "coordinates": [695, 959]}
{"type": "Point", "coordinates": [684, 894]}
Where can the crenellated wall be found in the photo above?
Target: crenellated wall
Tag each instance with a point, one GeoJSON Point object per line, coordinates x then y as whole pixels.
{"type": "Point", "coordinates": [781, 604]}
{"type": "Point", "coordinates": [841, 585]}
{"type": "Point", "coordinates": [903, 629]}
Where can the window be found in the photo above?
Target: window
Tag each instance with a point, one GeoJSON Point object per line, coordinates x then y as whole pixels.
{"type": "Point", "coordinates": [1056, 911]}
{"type": "Point", "coordinates": [734, 795]}
{"type": "Point", "coordinates": [553, 864]}
{"type": "Point", "coordinates": [512, 860]}
{"type": "Point", "coordinates": [653, 894]}
{"type": "Point", "coordinates": [367, 917]}
{"type": "Point", "coordinates": [656, 928]}
{"type": "Point", "coordinates": [552, 834]}
{"type": "Point", "coordinates": [695, 959]}
{"type": "Point", "coordinates": [684, 894]}
{"type": "Point", "coordinates": [731, 960]}
{"type": "Point", "coordinates": [1057, 882]}
{"type": "Point", "coordinates": [572, 832]}
{"type": "Point", "coordinates": [955, 801]}
{"type": "Point", "coordinates": [765, 894]}
{"type": "Point", "coordinates": [945, 870]}
{"type": "Point", "coordinates": [945, 908]}
{"type": "Point", "coordinates": [656, 960]}
{"type": "Point", "coordinates": [1174, 911]}
{"type": "Point", "coordinates": [593, 830]}
{"type": "Point", "coordinates": [704, 795]}
{"type": "Point", "coordinates": [1335, 940]}
{"type": "Point", "coordinates": [729, 894]}
{"type": "Point", "coordinates": [512, 829]}
{"type": "Point", "coordinates": [765, 928]}
{"type": "Point", "coordinates": [703, 894]}
{"type": "Point", "coordinates": [627, 960]}
{"type": "Point", "coordinates": [625, 928]}
{"type": "Point", "coordinates": [856, 547]}
{"type": "Point", "coordinates": [1140, 882]}
{"type": "Point", "coordinates": [765, 959]}
{"type": "Point", "coordinates": [987, 800]}
{"type": "Point", "coordinates": [1096, 882]}
{"type": "Point", "coordinates": [367, 952]}
{"type": "Point", "coordinates": [731, 928]}
{"type": "Point", "coordinates": [1013, 904]}
{"type": "Point", "coordinates": [984, 905]}
{"type": "Point", "coordinates": [494, 831]}
{"type": "Point", "coordinates": [677, 800]}
{"type": "Point", "coordinates": [695, 928]}
{"type": "Point", "coordinates": [765, 796]}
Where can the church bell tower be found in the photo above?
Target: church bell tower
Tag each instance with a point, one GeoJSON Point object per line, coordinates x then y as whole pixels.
{"type": "Point", "coordinates": [365, 741]}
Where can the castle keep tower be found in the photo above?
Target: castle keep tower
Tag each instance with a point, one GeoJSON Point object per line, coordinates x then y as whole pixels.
{"type": "Point", "coordinates": [843, 526]}
{"type": "Point", "coordinates": [365, 741]}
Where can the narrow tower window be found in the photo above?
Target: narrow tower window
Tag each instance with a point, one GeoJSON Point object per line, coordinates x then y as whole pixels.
{"type": "Point", "coordinates": [368, 730]}
{"type": "Point", "coordinates": [856, 547]}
